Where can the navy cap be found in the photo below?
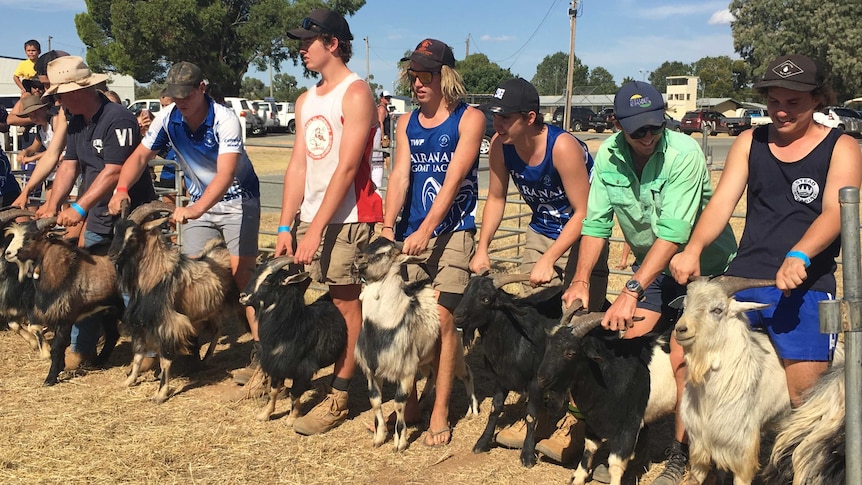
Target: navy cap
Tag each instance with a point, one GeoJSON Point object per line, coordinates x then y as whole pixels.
{"type": "Point", "coordinates": [638, 104]}
{"type": "Point", "coordinates": [513, 96]}
{"type": "Point", "coordinates": [431, 54]}
{"type": "Point", "coordinates": [794, 72]}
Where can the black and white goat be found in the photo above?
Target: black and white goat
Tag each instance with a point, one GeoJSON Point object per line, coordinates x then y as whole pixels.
{"type": "Point", "coordinates": [16, 295]}
{"type": "Point", "coordinates": [735, 383]}
{"type": "Point", "coordinates": [618, 384]}
{"type": "Point", "coordinates": [512, 338]}
{"type": "Point", "coordinates": [400, 328]}
{"type": "Point", "coordinates": [810, 449]}
{"type": "Point", "coordinates": [173, 299]}
{"type": "Point", "coordinates": [296, 340]}
{"type": "Point", "coordinates": [69, 285]}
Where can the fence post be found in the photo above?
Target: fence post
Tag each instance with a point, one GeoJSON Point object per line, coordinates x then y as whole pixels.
{"type": "Point", "coordinates": [851, 306]}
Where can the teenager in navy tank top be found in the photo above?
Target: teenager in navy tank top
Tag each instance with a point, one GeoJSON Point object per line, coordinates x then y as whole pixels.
{"type": "Point", "coordinates": [793, 169]}
{"type": "Point", "coordinates": [434, 188]}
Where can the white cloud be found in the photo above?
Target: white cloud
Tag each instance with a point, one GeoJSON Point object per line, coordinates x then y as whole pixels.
{"type": "Point", "coordinates": [721, 17]}
{"type": "Point", "coordinates": [679, 10]}
{"type": "Point", "coordinates": [500, 38]}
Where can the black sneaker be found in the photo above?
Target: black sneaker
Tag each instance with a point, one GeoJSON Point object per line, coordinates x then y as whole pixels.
{"type": "Point", "coordinates": [674, 468]}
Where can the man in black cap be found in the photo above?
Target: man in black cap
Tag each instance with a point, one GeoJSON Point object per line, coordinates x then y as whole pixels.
{"type": "Point", "coordinates": [223, 188]}
{"type": "Point", "coordinates": [328, 182]}
{"type": "Point", "coordinates": [655, 181]}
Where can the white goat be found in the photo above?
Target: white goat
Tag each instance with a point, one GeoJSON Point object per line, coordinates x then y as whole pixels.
{"type": "Point", "coordinates": [735, 382]}
{"type": "Point", "coordinates": [400, 328]}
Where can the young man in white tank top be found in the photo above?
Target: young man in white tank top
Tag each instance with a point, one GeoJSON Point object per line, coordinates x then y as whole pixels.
{"type": "Point", "coordinates": [328, 182]}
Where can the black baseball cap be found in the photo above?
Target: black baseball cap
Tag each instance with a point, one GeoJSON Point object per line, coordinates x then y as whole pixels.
{"type": "Point", "coordinates": [638, 104]}
{"type": "Point", "coordinates": [794, 72]}
{"type": "Point", "coordinates": [183, 78]}
{"type": "Point", "coordinates": [513, 96]}
{"type": "Point", "coordinates": [431, 55]}
{"type": "Point", "coordinates": [322, 21]}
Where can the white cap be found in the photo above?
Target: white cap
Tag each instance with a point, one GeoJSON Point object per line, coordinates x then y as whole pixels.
{"type": "Point", "coordinates": [385, 94]}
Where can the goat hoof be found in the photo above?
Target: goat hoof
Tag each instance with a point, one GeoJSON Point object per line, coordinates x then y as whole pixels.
{"type": "Point", "coordinates": [376, 444]}
{"type": "Point", "coordinates": [263, 416]}
{"type": "Point", "coordinates": [528, 460]}
{"type": "Point", "coordinates": [159, 399]}
{"type": "Point", "coordinates": [50, 382]}
{"type": "Point", "coordinates": [481, 449]}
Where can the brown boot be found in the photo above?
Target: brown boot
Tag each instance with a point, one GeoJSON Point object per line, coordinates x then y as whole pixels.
{"type": "Point", "coordinates": [566, 442]}
{"type": "Point", "coordinates": [76, 360]}
{"type": "Point", "coordinates": [513, 436]}
{"type": "Point", "coordinates": [242, 376]}
{"type": "Point", "coordinates": [328, 414]}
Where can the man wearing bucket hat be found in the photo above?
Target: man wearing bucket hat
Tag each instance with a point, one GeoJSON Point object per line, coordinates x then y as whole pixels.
{"type": "Point", "coordinates": [100, 137]}
{"type": "Point", "coordinates": [655, 181]}
{"type": "Point", "coordinates": [329, 182]}
{"type": "Point", "coordinates": [793, 169]}
{"type": "Point", "coordinates": [223, 188]}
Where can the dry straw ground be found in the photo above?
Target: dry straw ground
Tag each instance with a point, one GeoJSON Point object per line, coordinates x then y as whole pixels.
{"type": "Point", "coordinates": [89, 429]}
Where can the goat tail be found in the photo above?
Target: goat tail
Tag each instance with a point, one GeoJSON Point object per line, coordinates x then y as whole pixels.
{"type": "Point", "coordinates": [810, 448]}
{"type": "Point", "coordinates": [176, 334]}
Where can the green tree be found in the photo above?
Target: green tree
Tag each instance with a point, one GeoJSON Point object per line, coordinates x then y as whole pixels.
{"type": "Point", "coordinates": [627, 80]}
{"type": "Point", "coordinates": [148, 91]}
{"type": "Point", "coordinates": [603, 80]}
{"type": "Point", "coordinates": [253, 88]}
{"type": "Point", "coordinates": [828, 32]}
{"type": "Point", "coordinates": [480, 75]}
{"type": "Point", "coordinates": [550, 77]}
{"type": "Point", "coordinates": [285, 88]}
{"type": "Point", "coordinates": [716, 74]}
{"type": "Point", "coordinates": [658, 78]}
{"type": "Point", "coordinates": [223, 37]}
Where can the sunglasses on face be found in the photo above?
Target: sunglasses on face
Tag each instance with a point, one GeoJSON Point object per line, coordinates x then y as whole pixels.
{"type": "Point", "coordinates": [309, 23]}
{"type": "Point", "coordinates": [424, 77]}
{"type": "Point", "coordinates": [642, 131]}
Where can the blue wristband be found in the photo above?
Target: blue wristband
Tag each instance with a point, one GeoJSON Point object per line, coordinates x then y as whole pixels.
{"type": "Point", "coordinates": [282, 229]}
{"type": "Point", "coordinates": [799, 255]}
{"type": "Point", "coordinates": [78, 209]}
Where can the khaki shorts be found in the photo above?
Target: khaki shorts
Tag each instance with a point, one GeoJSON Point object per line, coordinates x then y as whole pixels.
{"type": "Point", "coordinates": [337, 251]}
{"type": "Point", "coordinates": [446, 262]}
{"type": "Point", "coordinates": [537, 244]}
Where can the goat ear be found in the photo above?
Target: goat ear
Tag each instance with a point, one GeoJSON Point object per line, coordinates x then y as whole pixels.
{"type": "Point", "coordinates": [737, 307]}
{"type": "Point", "coordinates": [295, 278]}
{"type": "Point", "coordinates": [154, 223]}
{"type": "Point", "coordinates": [408, 259]}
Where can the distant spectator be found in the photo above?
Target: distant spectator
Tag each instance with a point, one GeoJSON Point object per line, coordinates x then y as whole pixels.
{"type": "Point", "coordinates": [26, 69]}
{"type": "Point", "coordinates": [113, 96]}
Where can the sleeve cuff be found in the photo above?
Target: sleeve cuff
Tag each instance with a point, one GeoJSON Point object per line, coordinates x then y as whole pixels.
{"type": "Point", "coordinates": [674, 230]}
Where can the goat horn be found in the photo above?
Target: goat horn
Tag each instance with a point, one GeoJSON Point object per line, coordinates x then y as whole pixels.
{"type": "Point", "coordinates": [46, 222]}
{"type": "Point", "coordinates": [569, 312]}
{"type": "Point", "coordinates": [733, 284]}
{"type": "Point", "coordinates": [141, 212]}
{"type": "Point", "coordinates": [582, 324]}
{"type": "Point", "coordinates": [124, 208]}
{"type": "Point", "coordinates": [501, 280]}
{"type": "Point", "coordinates": [279, 262]}
{"type": "Point", "coordinates": [13, 213]}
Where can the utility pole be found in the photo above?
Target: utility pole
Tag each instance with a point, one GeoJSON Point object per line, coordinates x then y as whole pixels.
{"type": "Point", "coordinates": [270, 79]}
{"type": "Point", "coordinates": [367, 63]}
{"type": "Point", "coordinates": [49, 43]}
{"type": "Point", "coordinates": [467, 42]}
{"type": "Point", "coordinates": [567, 114]}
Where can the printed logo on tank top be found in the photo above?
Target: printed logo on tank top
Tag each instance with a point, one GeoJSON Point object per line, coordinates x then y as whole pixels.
{"type": "Point", "coordinates": [318, 137]}
{"type": "Point", "coordinates": [805, 190]}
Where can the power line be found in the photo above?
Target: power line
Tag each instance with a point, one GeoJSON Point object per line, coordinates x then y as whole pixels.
{"type": "Point", "coordinates": [517, 53]}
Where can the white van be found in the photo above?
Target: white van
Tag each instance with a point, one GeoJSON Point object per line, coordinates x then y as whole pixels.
{"type": "Point", "coordinates": [268, 112]}
{"type": "Point", "coordinates": [286, 117]}
{"type": "Point", "coordinates": [154, 105]}
{"type": "Point", "coordinates": [243, 108]}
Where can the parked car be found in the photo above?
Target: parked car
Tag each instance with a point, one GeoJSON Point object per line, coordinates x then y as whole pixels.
{"type": "Point", "coordinates": [243, 108]}
{"type": "Point", "coordinates": [268, 112]}
{"type": "Point", "coordinates": [582, 119]}
{"type": "Point", "coordinates": [150, 104]}
{"type": "Point", "coordinates": [746, 118]}
{"type": "Point", "coordinates": [670, 123]}
{"type": "Point", "coordinates": [848, 120]}
{"type": "Point", "coordinates": [485, 147]}
{"type": "Point", "coordinates": [605, 119]}
{"type": "Point", "coordinates": [286, 117]}
{"type": "Point", "coordinates": [694, 121]}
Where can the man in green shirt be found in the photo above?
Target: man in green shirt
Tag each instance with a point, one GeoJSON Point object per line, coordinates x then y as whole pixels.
{"type": "Point", "coordinates": [655, 181]}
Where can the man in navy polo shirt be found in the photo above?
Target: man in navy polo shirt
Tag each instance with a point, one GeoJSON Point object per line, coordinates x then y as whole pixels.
{"type": "Point", "coordinates": [100, 137]}
{"type": "Point", "coordinates": [224, 191]}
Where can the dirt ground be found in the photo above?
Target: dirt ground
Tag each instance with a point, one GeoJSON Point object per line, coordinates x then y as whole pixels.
{"type": "Point", "coordinates": [90, 429]}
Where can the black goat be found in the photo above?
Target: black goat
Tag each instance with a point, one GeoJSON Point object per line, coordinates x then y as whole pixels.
{"type": "Point", "coordinates": [512, 338]}
{"type": "Point", "coordinates": [69, 284]}
{"type": "Point", "coordinates": [618, 384]}
{"type": "Point", "coordinates": [16, 296]}
{"type": "Point", "coordinates": [173, 299]}
{"type": "Point", "coordinates": [296, 340]}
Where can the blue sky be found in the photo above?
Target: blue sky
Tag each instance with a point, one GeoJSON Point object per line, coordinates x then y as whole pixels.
{"type": "Point", "coordinates": [626, 37]}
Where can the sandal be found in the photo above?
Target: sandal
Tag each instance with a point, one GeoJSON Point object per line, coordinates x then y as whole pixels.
{"type": "Point", "coordinates": [434, 434]}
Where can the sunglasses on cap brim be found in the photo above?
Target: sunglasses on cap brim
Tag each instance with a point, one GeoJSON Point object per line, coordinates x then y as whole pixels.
{"type": "Point", "coordinates": [643, 130]}
{"type": "Point", "coordinates": [308, 23]}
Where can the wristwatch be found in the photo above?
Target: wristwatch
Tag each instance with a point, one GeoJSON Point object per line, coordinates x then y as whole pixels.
{"type": "Point", "coordinates": [635, 287]}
